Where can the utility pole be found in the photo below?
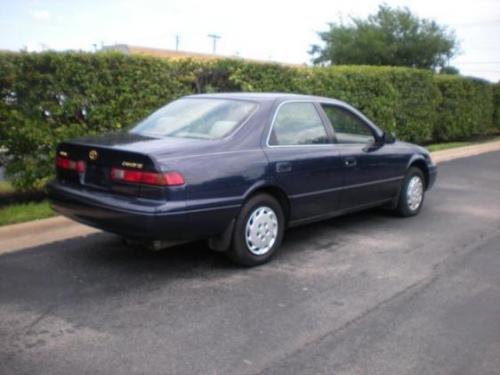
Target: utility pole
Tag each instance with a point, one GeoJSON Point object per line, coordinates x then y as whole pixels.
{"type": "Point", "coordinates": [177, 40]}
{"type": "Point", "coordinates": [214, 41]}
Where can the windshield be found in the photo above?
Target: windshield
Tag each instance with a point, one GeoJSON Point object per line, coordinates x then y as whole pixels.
{"type": "Point", "coordinates": [195, 118]}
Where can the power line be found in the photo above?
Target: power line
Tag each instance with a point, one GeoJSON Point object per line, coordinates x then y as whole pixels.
{"type": "Point", "coordinates": [481, 71]}
{"type": "Point", "coordinates": [485, 22]}
{"type": "Point", "coordinates": [478, 62]}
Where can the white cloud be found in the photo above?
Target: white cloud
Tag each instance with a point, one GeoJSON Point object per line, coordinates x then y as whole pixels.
{"type": "Point", "coordinates": [40, 14]}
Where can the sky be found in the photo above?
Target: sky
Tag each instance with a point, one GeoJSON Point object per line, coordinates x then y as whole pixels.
{"type": "Point", "coordinates": [280, 31]}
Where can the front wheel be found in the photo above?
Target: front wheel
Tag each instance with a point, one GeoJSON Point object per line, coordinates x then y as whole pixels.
{"type": "Point", "coordinates": [411, 197]}
{"type": "Point", "coordinates": [258, 231]}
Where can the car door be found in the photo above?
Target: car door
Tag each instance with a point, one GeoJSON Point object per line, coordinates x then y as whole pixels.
{"type": "Point", "coordinates": [303, 159]}
{"type": "Point", "coordinates": [370, 169]}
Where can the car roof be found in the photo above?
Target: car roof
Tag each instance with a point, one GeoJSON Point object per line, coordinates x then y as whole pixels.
{"type": "Point", "coordinates": [265, 96]}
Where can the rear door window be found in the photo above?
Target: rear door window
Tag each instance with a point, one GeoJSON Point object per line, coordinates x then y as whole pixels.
{"type": "Point", "coordinates": [298, 123]}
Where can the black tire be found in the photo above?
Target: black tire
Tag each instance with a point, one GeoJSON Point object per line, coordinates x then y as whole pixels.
{"type": "Point", "coordinates": [239, 251]}
{"type": "Point", "coordinates": [404, 207]}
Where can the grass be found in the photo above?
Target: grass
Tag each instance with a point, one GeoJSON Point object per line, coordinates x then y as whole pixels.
{"type": "Point", "coordinates": [18, 213]}
{"type": "Point", "coordinates": [446, 145]}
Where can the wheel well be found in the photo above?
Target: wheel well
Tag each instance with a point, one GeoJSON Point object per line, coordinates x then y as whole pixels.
{"type": "Point", "coordinates": [420, 164]}
{"type": "Point", "coordinates": [278, 194]}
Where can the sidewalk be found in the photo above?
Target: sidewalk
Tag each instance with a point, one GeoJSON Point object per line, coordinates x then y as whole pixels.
{"type": "Point", "coordinates": [40, 232]}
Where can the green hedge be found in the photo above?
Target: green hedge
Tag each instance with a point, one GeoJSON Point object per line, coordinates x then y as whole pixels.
{"type": "Point", "coordinates": [48, 97]}
{"type": "Point", "coordinates": [496, 103]}
{"type": "Point", "coordinates": [466, 108]}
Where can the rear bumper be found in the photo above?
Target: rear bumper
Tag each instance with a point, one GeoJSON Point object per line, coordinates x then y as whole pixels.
{"type": "Point", "coordinates": [136, 217]}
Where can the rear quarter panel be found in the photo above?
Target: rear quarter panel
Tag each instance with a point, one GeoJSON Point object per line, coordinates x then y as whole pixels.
{"type": "Point", "coordinates": [217, 184]}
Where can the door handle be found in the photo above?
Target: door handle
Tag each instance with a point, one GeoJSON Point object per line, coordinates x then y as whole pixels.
{"type": "Point", "coordinates": [283, 167]}
{"type": "Point", "coordinates": [350, 162]}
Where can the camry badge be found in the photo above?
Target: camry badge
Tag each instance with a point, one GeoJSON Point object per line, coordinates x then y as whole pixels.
{"type": "Point", "coordinates": [93, 155]}
{"type": "Point", "coordinates": [131, 164]}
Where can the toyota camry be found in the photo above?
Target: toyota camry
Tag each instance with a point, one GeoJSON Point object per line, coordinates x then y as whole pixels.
{"type": "Point", "coordinates": [237, 169]}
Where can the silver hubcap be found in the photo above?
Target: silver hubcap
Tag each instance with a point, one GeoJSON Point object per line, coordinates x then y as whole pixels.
{"type": "Point", "coordinates": [415, 193]}
{"type": "Point", "coordinates": [261, 230]}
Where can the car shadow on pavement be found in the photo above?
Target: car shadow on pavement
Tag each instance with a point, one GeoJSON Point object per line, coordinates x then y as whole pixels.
{"type": "Point", "coordinates": [106, 249]}
{"type": "Point", "coordinates": [101, 266]}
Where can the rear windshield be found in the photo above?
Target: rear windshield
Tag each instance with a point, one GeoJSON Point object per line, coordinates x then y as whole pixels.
{"type": "Point", "coordinates": [195, 118]}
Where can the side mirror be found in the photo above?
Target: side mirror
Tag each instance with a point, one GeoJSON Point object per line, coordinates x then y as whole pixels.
{"type": "Point", "coordinates": [388, 138]}
{"type": "Point", "coordinates": [385, 138]}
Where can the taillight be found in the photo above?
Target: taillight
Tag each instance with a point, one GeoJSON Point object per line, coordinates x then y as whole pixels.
{"type": "Point", "coordinates": [71, 165]}
{"type": "Point", "coordinates": [147, 178]}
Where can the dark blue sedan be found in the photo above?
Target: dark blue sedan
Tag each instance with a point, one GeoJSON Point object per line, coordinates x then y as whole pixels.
{"type": "Point", "coordinates": [237, 169]}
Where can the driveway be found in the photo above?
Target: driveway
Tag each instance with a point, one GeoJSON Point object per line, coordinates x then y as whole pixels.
{"type": "Point", "coordinates": [364, 294]}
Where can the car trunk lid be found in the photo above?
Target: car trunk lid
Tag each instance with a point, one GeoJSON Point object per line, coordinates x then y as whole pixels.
{"type": "Point", "coordinates": [99, 160]}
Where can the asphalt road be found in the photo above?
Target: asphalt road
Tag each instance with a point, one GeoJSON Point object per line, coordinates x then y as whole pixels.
{"type": "Point", "coordinates": [364, 294]}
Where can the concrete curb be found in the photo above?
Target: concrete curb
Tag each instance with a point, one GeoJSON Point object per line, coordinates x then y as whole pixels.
{"type": "Point", "coordinates": [33, 227]}
{"type": "Point", "coordinates": [40, 232]}
{"type": "Point", "coordinates": [463, 152]}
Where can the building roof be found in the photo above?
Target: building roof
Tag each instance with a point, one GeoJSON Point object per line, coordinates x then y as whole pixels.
{"type": "Point", "coordinates": [172, 54]}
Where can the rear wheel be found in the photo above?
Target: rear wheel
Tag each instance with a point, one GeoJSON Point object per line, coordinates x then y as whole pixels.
{"type": "Point", "coordinates": [411, 197]}
{"type": "Point", "coordinates": [258, 231]}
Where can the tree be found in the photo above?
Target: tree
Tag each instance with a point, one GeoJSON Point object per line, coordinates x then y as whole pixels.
{"type": "Point", "coordinates": [392, 36]}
